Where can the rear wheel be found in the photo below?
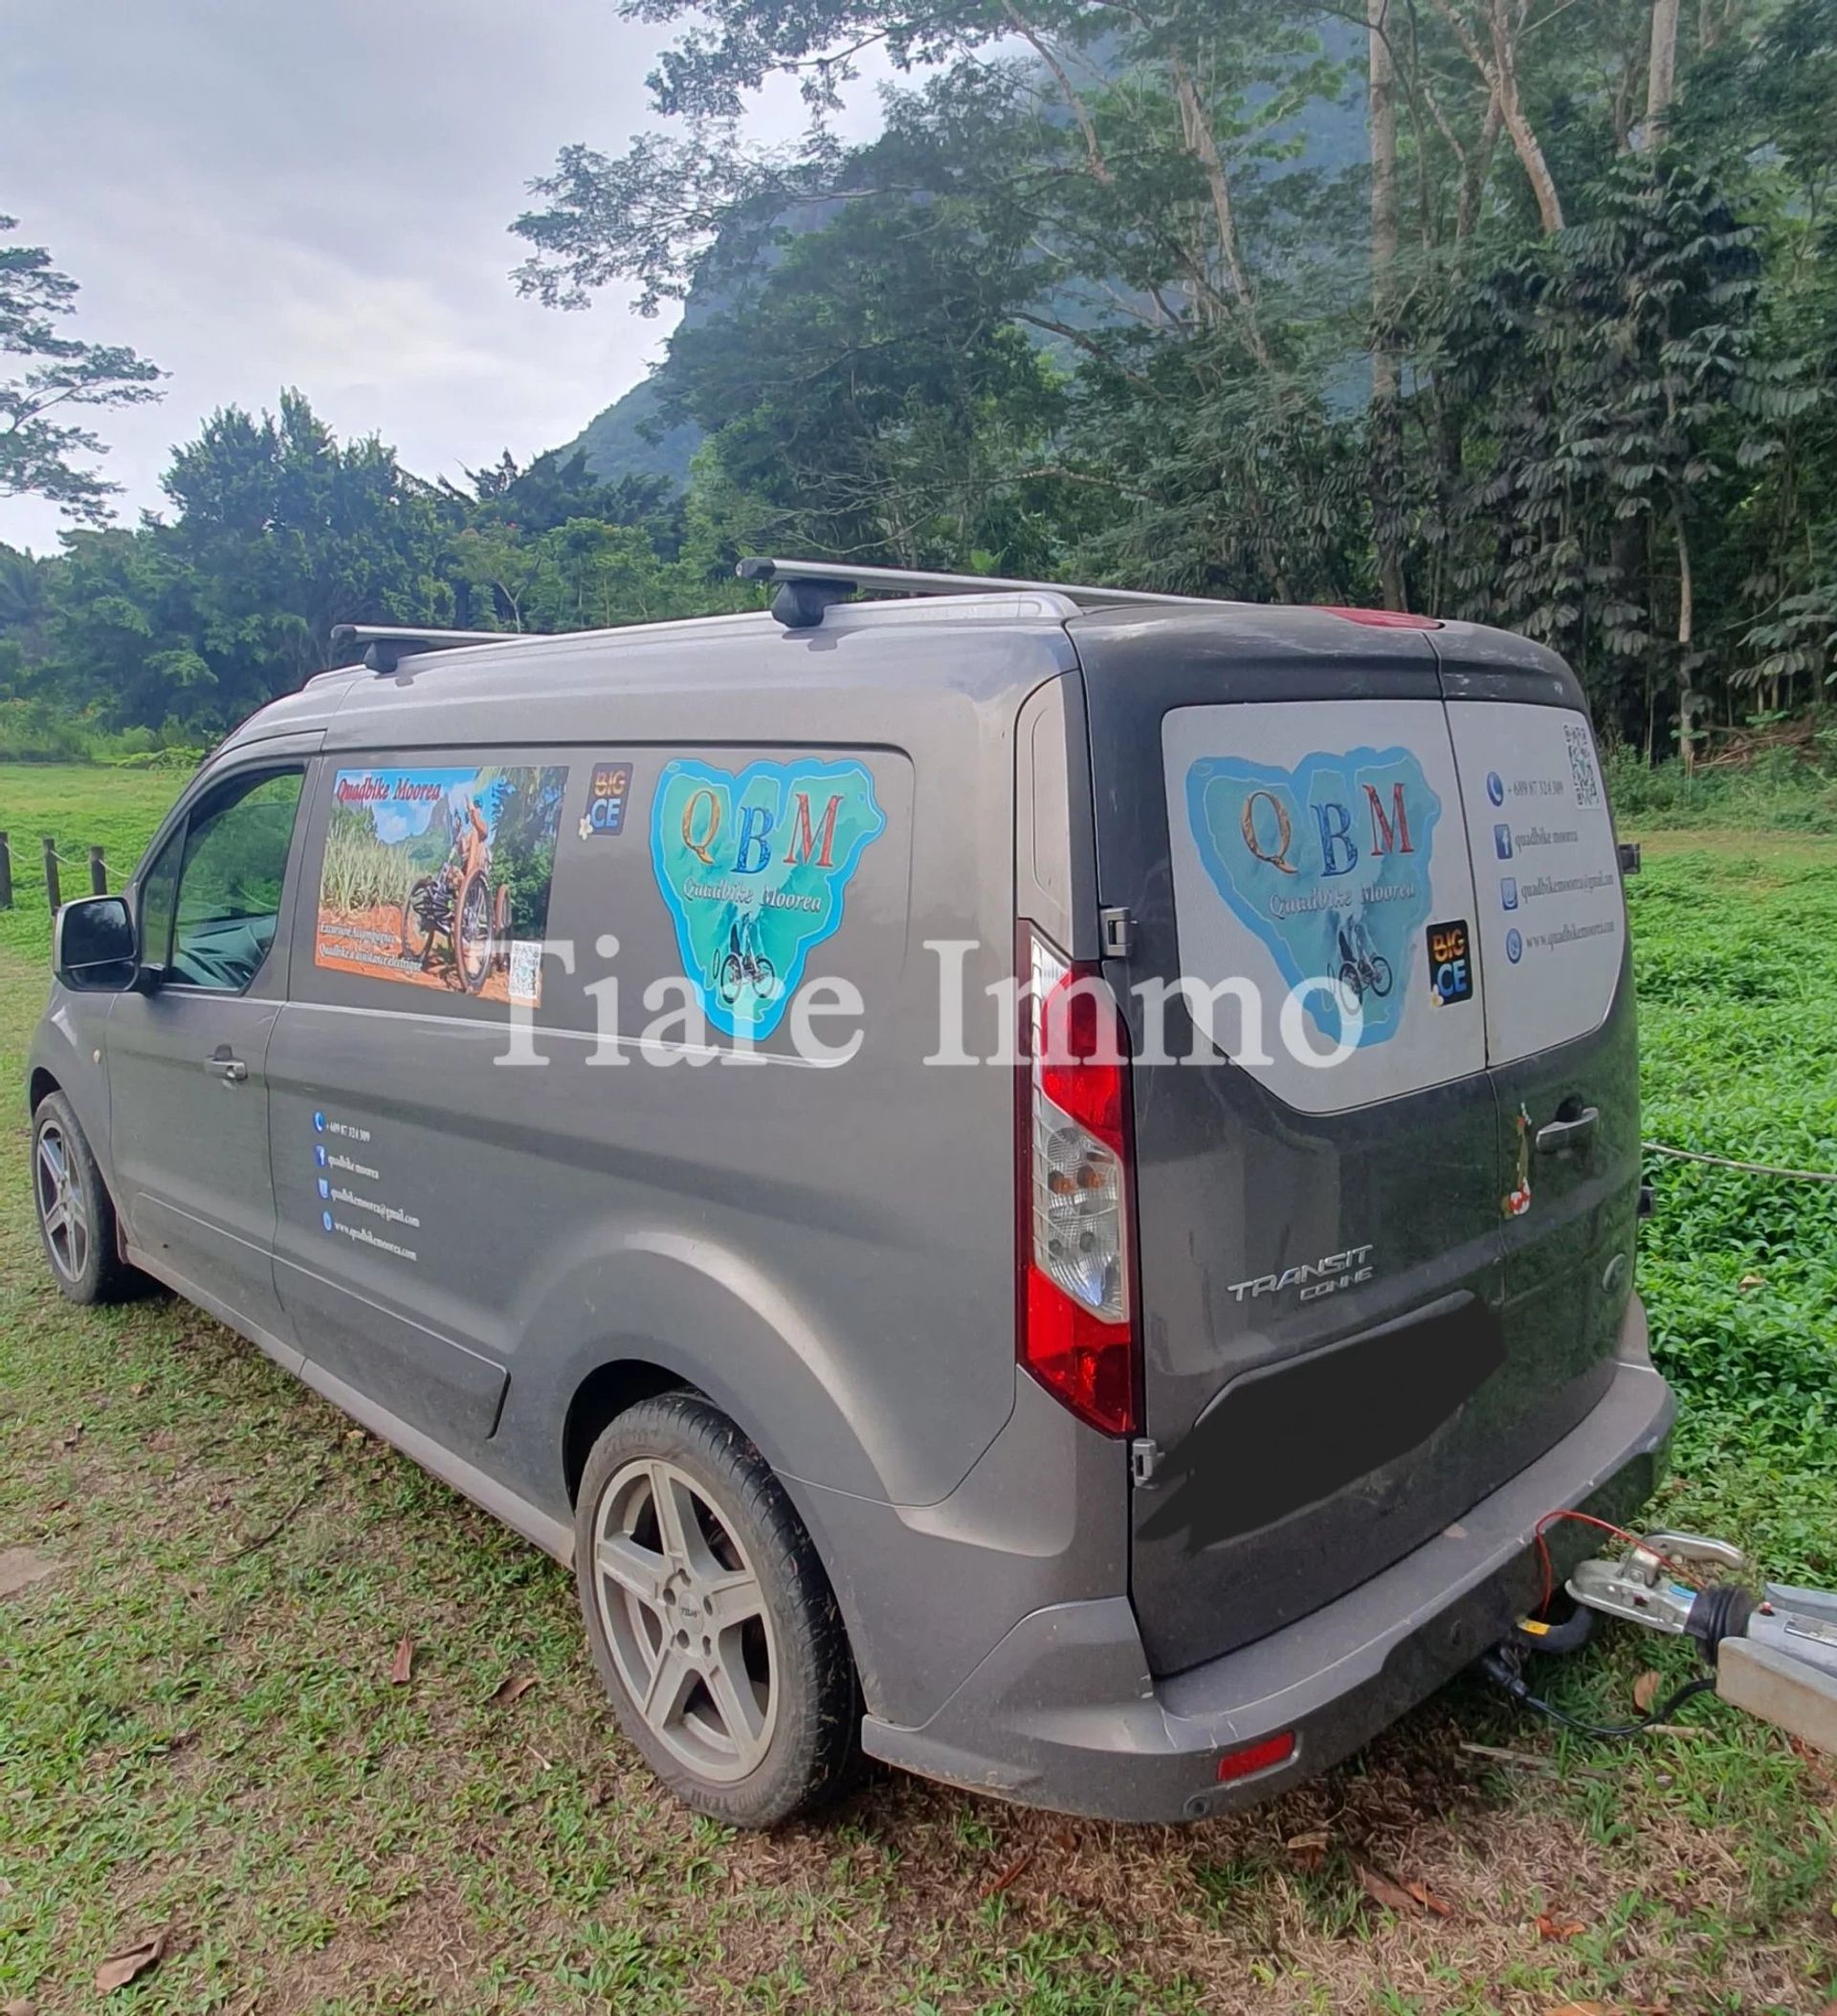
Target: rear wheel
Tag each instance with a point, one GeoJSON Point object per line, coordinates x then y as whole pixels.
{"type": "Point", "coordinates": [472, 932]}
{"type": "Point", "coordinates": [709, 1616]}
{"type": "Point", "coordinates": [75, 1215]}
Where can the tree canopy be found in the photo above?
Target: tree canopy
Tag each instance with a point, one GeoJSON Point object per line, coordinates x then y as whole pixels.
{"type": "Point", "coordinates": [1517, 310]}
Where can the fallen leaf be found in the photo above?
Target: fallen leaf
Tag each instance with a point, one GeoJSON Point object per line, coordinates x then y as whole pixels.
{"type": "Point", "coordinates": [1553, 1927]}
{"type": "Point", "coordinates": [70, 1440]}
{"type": "Point", "coordinates": [1387, 1891]}
{"type": "Point", "coordinates": [1303, 1844]}
{"type": "Point", "coordinates": [1010, 1875]}
{"type": "Point", "coordinates": [1582, 2009]}
{"type": "Point", "coordinates": [1753, 1280]}
{"type": "Point", "coordinates": [21, 2007]}
{"type": "Point", "coordinates": [513, 1686]}
{"type": "Point", "coordinates": [1428, 1901]}
{"type": "Point", "coordinates": [121, 1968]}
{"type": "Point", "coordinates": [1645, 1691]}
{"type": "Point", "coordinates": [138, 1390]}
{"type": "Point", "coordinates": [5, 1887]}
{"type": "Point", "coordinates": [403, 1664]}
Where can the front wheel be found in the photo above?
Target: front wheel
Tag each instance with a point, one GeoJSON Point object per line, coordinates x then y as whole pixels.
{"type": "Point", "coordinates": [415, 934]}
{"type": "Point", "coordinates": [75, 1215]}
{"type": "Point", "coordinates": [710, 1618]}
{"type": "Point", "coordinates": [1379, 975]}
{"type": "Point", "coordinates": [732, 974]}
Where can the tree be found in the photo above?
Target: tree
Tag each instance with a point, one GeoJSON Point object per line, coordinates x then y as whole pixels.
{"type": "Point", "coordinates": [41, 445]}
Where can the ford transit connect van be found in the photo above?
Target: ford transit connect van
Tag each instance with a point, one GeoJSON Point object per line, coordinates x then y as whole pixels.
{"type": "Point", "coordinates": [1038, 1182]}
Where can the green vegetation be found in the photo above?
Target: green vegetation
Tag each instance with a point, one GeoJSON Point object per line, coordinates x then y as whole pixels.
{"type": "Point", "coordinates": [81, 808]}
{"type": "Point", "coordinates": [199, 1734]}
{"type": "Point", "coordinates": [1445, 306]}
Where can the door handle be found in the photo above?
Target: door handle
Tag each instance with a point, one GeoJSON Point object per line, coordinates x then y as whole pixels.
{"type": "Point", "coordinates": [232, 1071]}
{"type": "Point", "coordinates": [1555, 1136]}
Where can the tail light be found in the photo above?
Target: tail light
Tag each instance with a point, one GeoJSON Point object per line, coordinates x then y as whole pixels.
{"type": "Point", "coordinates": [1077, 1317]}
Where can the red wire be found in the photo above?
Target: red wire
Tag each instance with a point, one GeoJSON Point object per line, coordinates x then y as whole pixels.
{"type": "Point", "coordinates": [1581, 1519]}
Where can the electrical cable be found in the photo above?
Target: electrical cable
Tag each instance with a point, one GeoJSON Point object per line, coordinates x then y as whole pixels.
{"type": "Point", "coordinates": [1498, 1668]}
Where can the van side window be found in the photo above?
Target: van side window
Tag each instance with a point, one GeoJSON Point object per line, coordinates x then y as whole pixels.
{"type": "Point", "coordinates": [227, 898]}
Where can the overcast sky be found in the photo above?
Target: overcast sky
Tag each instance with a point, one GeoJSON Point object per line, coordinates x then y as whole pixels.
{"type": "Point", "coordinates": [255, 193]}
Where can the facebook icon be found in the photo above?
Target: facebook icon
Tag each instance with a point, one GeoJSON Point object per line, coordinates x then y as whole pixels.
{"type": "Point", "coordinates": [1502, 841]}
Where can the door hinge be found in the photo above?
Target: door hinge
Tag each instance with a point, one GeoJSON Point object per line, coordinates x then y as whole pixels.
{"type": "Point", "coordinates": [1144, 1459]}
{"type": "Point", "coordinates": [1116, 932]}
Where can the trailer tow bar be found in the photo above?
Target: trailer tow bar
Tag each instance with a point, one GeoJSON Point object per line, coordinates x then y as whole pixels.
{"type": "Point", "coordinates": [1774, 1654]}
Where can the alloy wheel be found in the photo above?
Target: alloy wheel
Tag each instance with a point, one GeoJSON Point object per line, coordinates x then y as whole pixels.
{"type": "Point", "coordinates": [61, 1208]}
{"type": "Point", "coordinates": [686, 1619]}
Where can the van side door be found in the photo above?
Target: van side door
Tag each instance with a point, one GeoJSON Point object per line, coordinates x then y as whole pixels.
{"type": "Point", "coordinates": [188, 1050]}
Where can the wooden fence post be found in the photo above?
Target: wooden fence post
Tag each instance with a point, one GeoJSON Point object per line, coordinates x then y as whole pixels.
{"type": "Point", "coordinates": [6, 871]}
{"type": "Point", "coordinates": [98, 872]}
{"type": "Point", "coordinates": [53, 896]}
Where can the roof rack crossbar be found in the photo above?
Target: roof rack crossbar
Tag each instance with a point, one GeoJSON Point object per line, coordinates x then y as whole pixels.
{"type": "Point", "coordinates": [385, 644]}
{"type": "Point", "coordinates": [806, 588]}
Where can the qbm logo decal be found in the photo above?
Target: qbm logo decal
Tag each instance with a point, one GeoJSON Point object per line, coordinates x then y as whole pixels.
{"type": "Point", "coordinates": [754, 865]}
{"type": "Point", "coordinates": [1328, 864]}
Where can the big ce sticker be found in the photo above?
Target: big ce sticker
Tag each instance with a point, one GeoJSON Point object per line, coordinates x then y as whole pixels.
{"type": "Point", "coordinates": [1451, 963]}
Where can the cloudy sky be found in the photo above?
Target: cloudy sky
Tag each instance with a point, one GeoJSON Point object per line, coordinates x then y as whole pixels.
{"type": "Point", "coordinates": [256, 193]}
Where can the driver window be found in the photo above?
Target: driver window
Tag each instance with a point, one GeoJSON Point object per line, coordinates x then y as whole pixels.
{"type": "Point", "coordinates": [227, 898]}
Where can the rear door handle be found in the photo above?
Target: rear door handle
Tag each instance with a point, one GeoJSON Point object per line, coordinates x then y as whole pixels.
{"type": "Point", "coordinates": [232, 1071]}
{"type": "Point", "coordinates": [1555, 1136]}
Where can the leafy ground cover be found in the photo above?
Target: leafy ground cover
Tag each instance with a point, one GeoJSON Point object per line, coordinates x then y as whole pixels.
{"type": "Point", "coordinates": [203, 1738]}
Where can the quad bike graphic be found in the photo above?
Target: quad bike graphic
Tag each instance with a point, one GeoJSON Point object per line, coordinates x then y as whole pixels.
{"type": "Point", "coordinates": [474, 920]}
{"type": "Point", "coordinates": [1362, 971]}
{"type": "Point", "coordinates": [743, 968]}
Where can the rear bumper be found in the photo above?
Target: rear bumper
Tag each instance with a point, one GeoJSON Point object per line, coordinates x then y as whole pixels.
{"type": "Point", "coordinates": [1063, 1713]}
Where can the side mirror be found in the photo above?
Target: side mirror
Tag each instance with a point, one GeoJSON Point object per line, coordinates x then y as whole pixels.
{"type": "Point", "coordinates": [92, 944]}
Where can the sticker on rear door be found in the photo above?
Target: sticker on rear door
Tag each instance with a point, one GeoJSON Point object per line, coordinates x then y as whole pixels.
{"type": "Point", "coordinates": [1318, 868]}
{"type": "Point", "coordinates": [1551, 924]}
{"type": "Point", "coordinates": [1327, 862]}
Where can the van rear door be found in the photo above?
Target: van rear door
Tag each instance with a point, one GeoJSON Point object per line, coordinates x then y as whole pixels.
{"type": "Point", "coordinates": [1550, 926]}
{"type": "Point", "coordinates": [1332, 1368]}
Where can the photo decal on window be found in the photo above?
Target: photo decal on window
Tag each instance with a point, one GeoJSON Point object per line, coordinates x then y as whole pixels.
{"type": "Point", "coordinates": [440, 878]}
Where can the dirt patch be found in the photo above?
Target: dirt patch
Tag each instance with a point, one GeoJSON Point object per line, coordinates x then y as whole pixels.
{"type": "Point", "coordinates": [369, 942]}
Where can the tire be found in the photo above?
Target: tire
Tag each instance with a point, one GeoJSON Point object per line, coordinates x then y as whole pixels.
{"type": "Point", "coordinates": [1381, 975]}
{"type": "Point", "coordinates": [731, 975]}
{"type": "Point", "coordinates": [1352, 989]}
{"type": "Point", "coordinates": [752, 1563]}
{"type": "Point", "coordinates": [471, 948]}
{"type": "Point", "coordinates": [75, 1212]}
{"type": "Point", "coordinates": [415, 934]}
{"type": "Point", "coordinates": [765, 978]}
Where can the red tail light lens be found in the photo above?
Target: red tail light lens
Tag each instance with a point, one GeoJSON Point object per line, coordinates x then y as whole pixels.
{"type": "Point", "coordinates": [1076, 1321]}
{"type": "Point", "coordinates": [1380, 618]}
{"type": "Point", "coordinates": [1253, 1758]}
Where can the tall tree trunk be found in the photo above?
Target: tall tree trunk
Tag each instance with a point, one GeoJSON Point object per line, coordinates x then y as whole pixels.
{"type": "Point", "coordinates": [1197, 127]}
{"type": "Point", "coordinates": [1661, 76]}
{"type": "Point", "coordinates": [1688, 700]}
{"type": "Point", "coordinates": [1499, 67]}
{"type": "Point", "coordinates": [1386, 434]}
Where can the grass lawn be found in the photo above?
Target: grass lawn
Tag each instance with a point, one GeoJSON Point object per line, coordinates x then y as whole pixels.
{"type": "Point", "coordinates": [199, 1734]}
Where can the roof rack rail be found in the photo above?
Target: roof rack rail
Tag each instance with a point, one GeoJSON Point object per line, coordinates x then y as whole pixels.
{"type": "Point", "coordinates": [384, 644]}
{"type": "Point", "coordinates": [806, 588]}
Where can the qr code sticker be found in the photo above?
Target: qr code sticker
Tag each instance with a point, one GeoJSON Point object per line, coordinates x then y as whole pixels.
{"type": "Point", "coordinates": [526, 971]}
{"type": "Point", "coordinates": [1581, 763]}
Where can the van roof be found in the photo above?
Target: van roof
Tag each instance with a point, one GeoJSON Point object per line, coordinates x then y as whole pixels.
{"type": "Point", "coordinates": [1006, 636]}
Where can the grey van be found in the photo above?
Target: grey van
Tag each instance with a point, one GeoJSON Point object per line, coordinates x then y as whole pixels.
{"type": "Point", "coordinates": [1038, 1182]}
